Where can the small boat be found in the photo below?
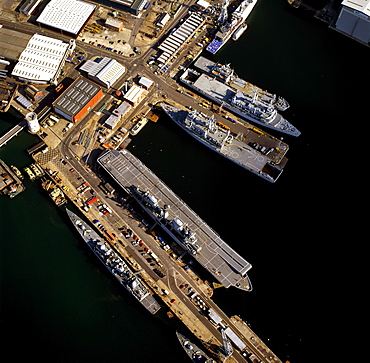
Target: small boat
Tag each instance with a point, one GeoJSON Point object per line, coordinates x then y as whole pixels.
{"type": "Point", "coordinates": [17, 172]}
{"type": "Point", "coordinates": [238, 32]}
{"type": "Point", "coordinates": [30, 174]}
{"type": "Point", "coordinates": [140, 124]}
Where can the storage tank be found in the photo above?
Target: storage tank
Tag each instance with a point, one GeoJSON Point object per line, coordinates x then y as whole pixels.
{"type": "Point", "coordinates": [32, 123]}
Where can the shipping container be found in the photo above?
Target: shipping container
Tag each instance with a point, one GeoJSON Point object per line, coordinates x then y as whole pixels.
{"type": "Point", "coordinates": [92, 200]}
{"type": "Point", "coordinates": [110, 234]}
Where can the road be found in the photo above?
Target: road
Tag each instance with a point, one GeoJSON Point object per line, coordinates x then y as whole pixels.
{"type": "Point", "coordinates": [175, 274]}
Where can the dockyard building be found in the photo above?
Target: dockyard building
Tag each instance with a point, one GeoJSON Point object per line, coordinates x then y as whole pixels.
{"type": "Point", "coordinates": [176, 39]}
{"type": "Point", "coordinates": [33, 93]}
{"type": "Point", "coordinates": [133, 6]}
{"type": "Point", "coordinates": [68, 16]}
{"type": "Point", "coordinates": [78, 99]}
{"type": "Point", "coordinates": [145, 82]}
{"type": "Point", "coordinates": [354, 20]}
{"type": "Point", "coordinates": [135, 95]}
{"type": "Point", "coordinates": [29, 7]}
{"type": "Point", "coordinates": [114, 24]}
{"type": "Point", "coordinates": [104, 71]}
{"type": "Point", "coordinates": [42, 59]}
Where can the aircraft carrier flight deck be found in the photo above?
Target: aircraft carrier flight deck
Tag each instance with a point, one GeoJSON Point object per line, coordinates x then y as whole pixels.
{"type": "Point", "coordinates": [226, 265]}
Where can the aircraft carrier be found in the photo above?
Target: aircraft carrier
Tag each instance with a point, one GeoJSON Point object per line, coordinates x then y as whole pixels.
{"type": "Point", "coordinates": [177, 219]}
{"type": "Point", "coordinates": [115, 264]}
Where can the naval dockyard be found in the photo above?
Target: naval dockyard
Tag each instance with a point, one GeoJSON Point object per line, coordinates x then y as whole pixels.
{"type": "Point", "coordinates": [86, 84]}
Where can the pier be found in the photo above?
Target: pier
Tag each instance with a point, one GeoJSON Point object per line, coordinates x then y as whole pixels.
{"type": "Point", "coordinates": [12, 133]}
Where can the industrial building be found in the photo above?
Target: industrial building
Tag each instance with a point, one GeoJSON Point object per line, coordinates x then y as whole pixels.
{"type": "Point", "coordinates": [114, 24]}
{"type": "Point", "coordinates": [42, 59]}
{"type": "Point", "coordinates": [33, 93]}
{"type": "Point", "coordinates": [29, 7]}
{"type": "Point", "coordinates": [12, 43]}
{"type": "Point", "coordinates": [78, 99]}
{"type": "Point", "coordinates": [145, 82]}
{"type": "Point", "coordinates": [104, 71]}
{"type": "Point", "coordinates": [132, 6]}
{"type": "Point", "coordinates": [179, 37]}
{"type": "Point", "coordinates": [354, 19]}
{"type": "Point", "coordinates": [135, 95]}
{"type": "Point", "coordinates": [69, 16]}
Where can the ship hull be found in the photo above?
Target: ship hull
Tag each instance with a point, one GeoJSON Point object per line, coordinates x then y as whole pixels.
{"type": "Point", "coordinates": [93, 240]}
{"type": "Point", "coordinates": [220, 151]}
{"type": "Point", "coordinates": [274, 124]}
{"type": "Point", "coordinates": [192, 350]}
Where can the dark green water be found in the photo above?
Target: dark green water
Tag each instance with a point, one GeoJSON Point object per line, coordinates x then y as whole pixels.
{"type": "Point", "coordinates": [59, 304]}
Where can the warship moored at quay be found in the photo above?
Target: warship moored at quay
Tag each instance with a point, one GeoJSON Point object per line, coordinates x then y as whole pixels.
{"type": "Point", "coordinates": [193, 351]}
{"type": "Point", "coordinates": [230, 23]}
{"type": "Point", "coordinates": [257, 152]}
{"type": "Point", "coordinates": [115, 264]}
{"type": "Point", "coordinates": [181, 223]}
{"type": "Point", "coordinates": [220, 84]}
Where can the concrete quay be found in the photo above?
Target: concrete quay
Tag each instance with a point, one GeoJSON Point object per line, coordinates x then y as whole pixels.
{"type": "Point", "coordinates": [178, 299]}
{"type": "Point", "coordinates": [75, 165]}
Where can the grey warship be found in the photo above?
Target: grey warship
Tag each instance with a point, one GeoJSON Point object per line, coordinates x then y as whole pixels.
{"type": "Point", "coordinates": [193, 351]}
{"type": "Point", "coordinates": [220, 84]}
{"type": "Point", "coordinates": [261, 154]}
{"type": "Point", "coordinates": [115, 264]}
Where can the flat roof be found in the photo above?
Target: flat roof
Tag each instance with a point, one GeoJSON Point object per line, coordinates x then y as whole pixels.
{"type": "Point", "coordinates": [12, 43]}
{"type": "Point", "coordinates": [359, 5]}
{"type": "Point", "coordinates": [67, 15]}
{"type": "Point", "coordinates": [216, 256]}
{"type": "Point", "coordinates": [76, 96]}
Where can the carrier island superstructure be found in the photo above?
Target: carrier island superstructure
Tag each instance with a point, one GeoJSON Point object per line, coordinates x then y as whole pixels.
{"type": "Point", "coordinates": [177, 219]}
{"type": "Point", "coordinates": [253, 150]}
{"type": "Point", "coordinates": [220, 84]}
{"type": "Point", "coordinates": [115, 264]}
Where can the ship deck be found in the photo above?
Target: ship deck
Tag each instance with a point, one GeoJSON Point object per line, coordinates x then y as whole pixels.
{"type": "Point", "coordinates": [88, 235]}
{"type": "Point", "coordinates": [216, 256]}
{"type": "Point", "coordinates": [205, 65]}
{"type": "Point", "coordinates": [241, 149]}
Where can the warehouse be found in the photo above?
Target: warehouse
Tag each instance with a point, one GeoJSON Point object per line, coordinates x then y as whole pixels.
{"type": "Point", "coordinates": [132, 6]}
{"type": "Point", "coordinates": [179, 37]}
{"type": "Point", "coordinates": [135, 95]}
{"type": "Point", "coordinates": [104, 71]}
{"type": "Point", "coordinates": [69, 16]}
{"type": "Point", "coordinates": [78, 99]}
{"type": "Point", "coordinates": [42, 59]}
{"type": "Point", "coordinates": [354, 20]}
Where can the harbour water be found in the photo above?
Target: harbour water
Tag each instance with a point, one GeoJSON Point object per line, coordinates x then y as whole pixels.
{"type": "Point", "coordinates": [58, 303]}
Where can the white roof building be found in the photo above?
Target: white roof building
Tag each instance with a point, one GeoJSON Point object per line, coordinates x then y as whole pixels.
{"type": "Point", "coordinates": [135, 95]}
{"type": "Point", "coordinates": [66, 15]}
{"type": "Point", "coordinates": [145, 82]}
{"type": "Point", "coordinates": [105, 72]}
{"type": "Point", "coordinates": [354, 19]}
{"type": "Point", "coordinates": [42, 59]}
